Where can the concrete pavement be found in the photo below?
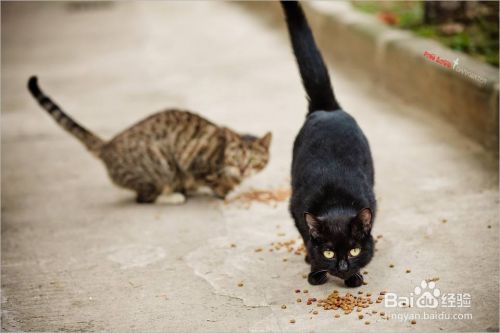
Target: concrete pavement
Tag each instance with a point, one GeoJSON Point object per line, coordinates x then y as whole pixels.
{"type": "Point", "coordinates": [79, 255]}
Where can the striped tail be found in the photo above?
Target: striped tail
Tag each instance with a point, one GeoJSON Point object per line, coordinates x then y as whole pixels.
{"type": "Point", "coordinates": [90, 140]}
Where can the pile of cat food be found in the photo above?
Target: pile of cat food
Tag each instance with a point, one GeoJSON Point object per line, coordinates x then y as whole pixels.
{"type": "Point", "coordinates": [262, 196]}
{"type": "Point", "coordinates": [347, 303]}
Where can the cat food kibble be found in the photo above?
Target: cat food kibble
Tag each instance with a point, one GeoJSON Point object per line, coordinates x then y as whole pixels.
{"type": "Point", "coordinates": [240, 284]}
{"type": "Point", "coordinates": [290, 246]}
{"type": "Point", "coordinates": [262, 196]}
{"type": "Point", "coordinates": [292, 321]}
{"type": "Point", "coordinates": [413, 322]}
{"type": "Point", "coordinates": [283, 306]}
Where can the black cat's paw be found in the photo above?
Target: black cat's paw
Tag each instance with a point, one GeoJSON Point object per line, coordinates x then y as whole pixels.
{"type": "Point", "coordinates": [307, 259]}
{"type": "Point", "coordinates": [354, 281]}
{"type": "Point", "coordinates": [317, 278]}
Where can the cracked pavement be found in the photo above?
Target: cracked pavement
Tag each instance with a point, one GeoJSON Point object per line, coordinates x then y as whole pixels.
{"type": "Point", "coordinates": [79, 255]}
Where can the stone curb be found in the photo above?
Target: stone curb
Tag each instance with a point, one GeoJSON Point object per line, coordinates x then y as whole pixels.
{"type": "Point", "coordinates": [395, 59]}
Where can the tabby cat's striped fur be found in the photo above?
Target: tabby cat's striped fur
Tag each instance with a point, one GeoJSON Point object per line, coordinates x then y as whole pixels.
{"type": "Point", "coordinates": [170, 151]}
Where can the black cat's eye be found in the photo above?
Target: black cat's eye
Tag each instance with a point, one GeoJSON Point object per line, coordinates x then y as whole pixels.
{"type": "Point", "coordinates": [355, 252]}
{"type": "Point", "coordinates": [328, 254]}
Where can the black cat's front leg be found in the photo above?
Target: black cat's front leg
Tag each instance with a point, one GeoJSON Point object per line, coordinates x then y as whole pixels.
{"type": "Point", "coordinates": [317, 277]}
{"type": "Point", "coordinates": [354, 281]}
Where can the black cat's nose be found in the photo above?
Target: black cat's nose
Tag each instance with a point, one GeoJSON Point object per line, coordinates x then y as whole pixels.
{"type": "Point", "coordinates": [343, 266]}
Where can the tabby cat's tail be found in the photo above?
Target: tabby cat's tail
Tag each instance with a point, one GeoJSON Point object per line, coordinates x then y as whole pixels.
{"type": "Point", "coordinates": [90, 140]}
{"type": "Point", "coordinates": [311, 65]}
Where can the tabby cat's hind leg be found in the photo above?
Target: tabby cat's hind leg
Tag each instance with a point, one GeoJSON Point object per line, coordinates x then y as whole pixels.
{"type": "Point", "coordinates": [147, 193]}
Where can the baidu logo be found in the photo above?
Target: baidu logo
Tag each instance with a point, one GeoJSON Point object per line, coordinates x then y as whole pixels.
{"type": "Point", "coordinates": [427, 295]}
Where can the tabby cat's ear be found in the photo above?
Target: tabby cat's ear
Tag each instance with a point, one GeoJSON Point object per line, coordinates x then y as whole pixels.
{"type": "Point", "coordinates": [265, 141]}
{"type": "Point", "coordinates": [313, 224]}
{"type": "Point", "coordinates": [363, 221]}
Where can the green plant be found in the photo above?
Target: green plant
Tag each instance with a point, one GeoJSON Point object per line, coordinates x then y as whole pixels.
{"type": "Point", "coordinates": [479, 36]}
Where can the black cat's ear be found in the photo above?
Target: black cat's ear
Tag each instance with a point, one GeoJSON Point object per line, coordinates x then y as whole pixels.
{"type": "Point", "coordinates": [363, 221]}
{"type": "Point", "coordinates": [313, 224]}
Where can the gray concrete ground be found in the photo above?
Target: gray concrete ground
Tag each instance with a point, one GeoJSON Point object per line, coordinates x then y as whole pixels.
{"type": "Point", "coordinates": [79, 255]}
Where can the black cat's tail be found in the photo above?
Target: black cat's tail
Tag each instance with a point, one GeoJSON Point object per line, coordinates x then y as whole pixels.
{"type": "Point", "coordinates": [90, 140]}
{"type": "Point", "coordinates": [311, 65]}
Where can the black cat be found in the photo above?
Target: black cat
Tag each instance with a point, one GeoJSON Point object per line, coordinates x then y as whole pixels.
{"type": "Point", "coordinates": [333, 203]}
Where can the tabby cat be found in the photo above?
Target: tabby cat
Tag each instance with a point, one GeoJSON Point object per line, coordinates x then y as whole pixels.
{"type": "Point", "coordinates": [332, 203]}
{"type": "Point", "coordinates": [169, 152]}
